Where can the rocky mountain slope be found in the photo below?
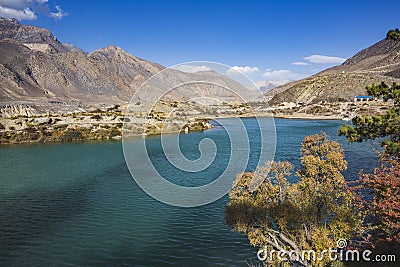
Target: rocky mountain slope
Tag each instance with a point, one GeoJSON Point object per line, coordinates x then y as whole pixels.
{"type": "Point", "coordinates": [31, 36]}
{"type": "Point", "coordinates": [377, 63]}
{"type": "Point", "coordinates": [40, 74]}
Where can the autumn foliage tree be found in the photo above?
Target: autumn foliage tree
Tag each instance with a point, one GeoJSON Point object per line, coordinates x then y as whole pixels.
{"type": "Point", "coordinates": [381, 189]}
{"type": "Point", "coordinates": [311, 214]}
{"type": "Point", "coordinates": [385, 185]}
{"type": "Point", "coordinates": [380, 196]}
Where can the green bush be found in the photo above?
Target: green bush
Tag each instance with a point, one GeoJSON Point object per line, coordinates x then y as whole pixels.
{"type": "Point", "coordinates": [393, 35]}
{"type": "Point", "coordinates": [60, 127]}
{"type": "Point", "coordinates": [96, 117]}
{"type": "Point", "coordinates": [96, 111]}
{"type": "Point", "coordinates": [114, 132]}
{"type": "Point", "coordinates": [30, 129]}
{"type": "Point", "coordinates": [114, 108]}
{"type": "Point", "coordinates": [71, 135]}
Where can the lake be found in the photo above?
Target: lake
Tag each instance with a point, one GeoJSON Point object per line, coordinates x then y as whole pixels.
{"type": "Point", "coordinates": [77, 204]}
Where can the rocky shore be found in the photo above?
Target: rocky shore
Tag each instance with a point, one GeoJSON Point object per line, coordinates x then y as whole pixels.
{"type": "Point", "coordinates": [331, 110]}
{"type": "Point", "coordinates": [85, 126]}
{"type": "Point", "coordinates": [107, 123]}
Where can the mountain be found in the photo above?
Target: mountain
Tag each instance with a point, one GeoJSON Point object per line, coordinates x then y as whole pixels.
{"type": "Point", "coordinates": [33, 37]}
{"type": "Point", "coordinates": [36, 67]}
{"type": "Point", "coordinates": [40, 72]}
{"type": "Point", "coordinates": [107, 75]}
{"type": "Point", "coordinates": [266, 86]}
{"type": "Point", "coordinates": [377, 63]}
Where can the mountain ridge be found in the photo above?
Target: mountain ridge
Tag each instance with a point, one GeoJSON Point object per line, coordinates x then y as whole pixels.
{"type": "Point", "coordinates": [374, 64]}
{"type": "Point", "coordinates": [37, 69]}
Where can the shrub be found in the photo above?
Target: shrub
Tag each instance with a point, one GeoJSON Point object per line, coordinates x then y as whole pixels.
{"type": "Point", "coordinates": [293, 217]}
{"type": "Point", "coordinates": [62, 126]}
{"type": "Point", "coordinates": [96, 111]}
{"type": "Point", "coordinates": [71, 135]}
{"type": "Point", "coordinates": [393, 35]}
{"type": "Point", "coordinates": [114, 132]}
{"type": "Point", "coordinates": [96, 117]}
{"type": "Point", "coordinates": [114, 108]}
{"type": "Point", "coordinates": [30, 129]}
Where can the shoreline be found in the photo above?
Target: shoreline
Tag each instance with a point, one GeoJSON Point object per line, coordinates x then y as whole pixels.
{"type": "Point", "coordinates": [89, 126]}
{"type": "Point", "coordinates": [100, 125]}
{"type": "Point", "coordinates": [312, 117]}
{"type": "Point", "coordinates": [87, 137]}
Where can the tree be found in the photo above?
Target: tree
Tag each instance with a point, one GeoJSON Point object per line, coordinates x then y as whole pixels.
{"type": "Point", "coordinates": [393, 35]}
{"type": "Point", "coordinates": [385, 209]}
{"type": "Point", "coordinates": [311, 214]}
{"type": "Point", "coordinates": [382, 126]}
{"type": "Point", "coordinates": [380, 191]}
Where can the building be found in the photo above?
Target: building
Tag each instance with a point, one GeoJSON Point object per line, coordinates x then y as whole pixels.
{"type": "Point", "coordinates": [363, 98]}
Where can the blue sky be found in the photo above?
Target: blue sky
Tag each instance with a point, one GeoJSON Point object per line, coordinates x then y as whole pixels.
{"type": "Point", "coordinates": [266, 36]}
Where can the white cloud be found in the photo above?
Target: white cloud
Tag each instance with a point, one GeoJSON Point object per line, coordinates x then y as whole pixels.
{"type": "Point", "coordinates": [19, 14]}
{"type": "Point", "coordinates": [59, 14]}
{"type": "Point", "coordinates": [320, 59]}
{"type": "Point", "coordinates": [28, 9]}
{"type": "Point", "coordinates": [298, 63]}
{"type": "Point", "coordinates": [191, 68]}
{"type": "Point", "coordinates": [245, 70]}
{"type": "Point", "coordinates": [278, 74]}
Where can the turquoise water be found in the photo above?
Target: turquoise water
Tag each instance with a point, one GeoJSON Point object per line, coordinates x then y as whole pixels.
{"type": "Point", "coordinates": [76, 204]}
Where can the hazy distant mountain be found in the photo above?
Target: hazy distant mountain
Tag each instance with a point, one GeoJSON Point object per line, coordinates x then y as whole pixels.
{"type": "Point", "coordinates": [37, 68]}
{"type": "Point", "coordinates": [379, 62]}
{"type": "Point", "coordinates": [266, 86]}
